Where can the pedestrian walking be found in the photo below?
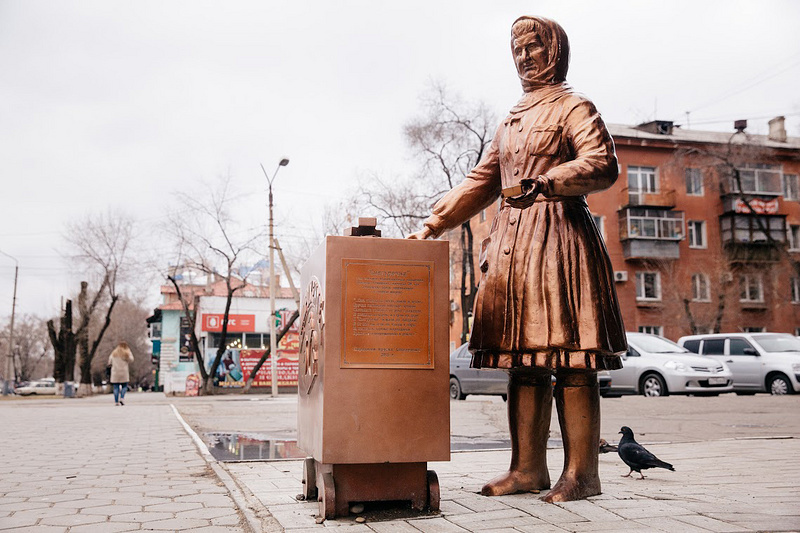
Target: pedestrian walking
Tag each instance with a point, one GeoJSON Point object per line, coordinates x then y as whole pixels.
{"type": "Point", "coordinates": [119, 361]}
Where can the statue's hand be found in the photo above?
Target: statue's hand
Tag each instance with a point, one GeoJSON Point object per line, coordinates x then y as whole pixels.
{"type": "Point", "coordinates": [424, 233]}
{"type": "Point", "coordinates": [531, 190]}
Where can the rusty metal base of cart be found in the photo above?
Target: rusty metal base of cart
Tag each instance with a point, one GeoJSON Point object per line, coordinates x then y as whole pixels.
{"type": "Point", "coordinates": [336, 486]}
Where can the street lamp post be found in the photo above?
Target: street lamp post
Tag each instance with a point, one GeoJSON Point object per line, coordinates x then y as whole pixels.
{"type": "Point", "coordinates": [8, 383]}
{"type": "Point", "coordinates": [273, 345]}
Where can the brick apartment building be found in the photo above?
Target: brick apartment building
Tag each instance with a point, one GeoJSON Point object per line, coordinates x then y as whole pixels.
{"type": "Point", "coordinates": [691, 253]}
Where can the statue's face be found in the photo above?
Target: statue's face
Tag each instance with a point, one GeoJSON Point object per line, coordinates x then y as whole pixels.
{"type": "Point", "coordinates": [530, 54]}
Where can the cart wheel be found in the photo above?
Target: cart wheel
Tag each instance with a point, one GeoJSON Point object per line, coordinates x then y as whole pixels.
{"type": "Point", "coordinates": [327, 497]}
{"type": "Point", "coordinates": [309, 479]}
{"type": "Point", "coordinates": [433, 491]}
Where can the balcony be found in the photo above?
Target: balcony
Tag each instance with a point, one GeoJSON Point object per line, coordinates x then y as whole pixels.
{"type": "Point", "coordinates": [650, 233]}
{"type": "Point", "coordinates": [753, 305]}
{"type": "Point", "coordinates": [756, 180]}
{"type": "Point", "coordinates": [745, 205]}
{"type": "Point", "coordinates": [664, 199]}
{"type": "Point", "coordinates": [753, 238]}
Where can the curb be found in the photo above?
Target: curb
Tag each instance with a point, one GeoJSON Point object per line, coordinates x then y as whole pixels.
{"type": "Point", "coordinates": [254, 512]}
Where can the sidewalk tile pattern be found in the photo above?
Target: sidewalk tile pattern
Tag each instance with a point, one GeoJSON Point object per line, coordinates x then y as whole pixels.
{"type": "Point", "coordinates": [722, 486]}
{"type": "Point", "coordinates": [76, 466]}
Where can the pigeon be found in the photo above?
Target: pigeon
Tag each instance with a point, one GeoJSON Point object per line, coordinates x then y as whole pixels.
{"type": "Point", "coordinates": [605, 447]}
{"type": "Point", "coordinates": [636, 456]}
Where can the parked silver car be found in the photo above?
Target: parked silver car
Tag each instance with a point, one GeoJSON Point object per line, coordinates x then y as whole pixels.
{"type": "Point", "coordinates": [760, 362]}
{"type": "Point", "coordinates": [44, 386]}
{"type": "Point", "coordinates": [465, 380]}
{"type": "Point", "coordinates": [655, 366]}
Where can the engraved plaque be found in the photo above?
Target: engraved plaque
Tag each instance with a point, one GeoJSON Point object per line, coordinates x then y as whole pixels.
{"type": "Point", "coordinates": [387, 310]}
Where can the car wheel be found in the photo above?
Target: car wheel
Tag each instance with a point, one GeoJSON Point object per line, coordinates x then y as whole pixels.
{"type": "Point", "coordinates": [455, 390]}
{"type": "Point", "coordinates": [653, 385]}
{"type": "Point", "coordinates": [779, 385]}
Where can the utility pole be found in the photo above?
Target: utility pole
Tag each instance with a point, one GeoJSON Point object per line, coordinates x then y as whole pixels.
{"type": "Point", "coordinates": [273, 345]}
{"type": "Point", "coordinates": [8, 385]}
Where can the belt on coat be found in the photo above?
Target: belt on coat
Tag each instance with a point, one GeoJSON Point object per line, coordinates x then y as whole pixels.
{"type": "Point", "coordinates": [517, 190]}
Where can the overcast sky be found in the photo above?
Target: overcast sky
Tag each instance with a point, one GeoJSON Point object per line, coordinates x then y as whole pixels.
{"type": "Point", "coordinates": [122, 104]}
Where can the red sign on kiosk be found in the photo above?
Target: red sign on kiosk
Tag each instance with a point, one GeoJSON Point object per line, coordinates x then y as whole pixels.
{"type": "Point", "coordinates": [236, 323]}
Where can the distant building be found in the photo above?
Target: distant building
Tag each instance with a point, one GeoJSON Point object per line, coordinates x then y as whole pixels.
{"type": "Point", "coordinates": [703, 230]}
{"type": "Point", "coordinates": [247, 333]}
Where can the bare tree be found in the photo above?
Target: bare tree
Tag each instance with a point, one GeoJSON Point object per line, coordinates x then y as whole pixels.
{"type": "Point", "coordinates": [723, 168]}
{"type": "Point", "coordinates": [64, 345]}
{"type": "Point", "coordinates": [211, 241]}
{"type": "Point", "coordinates": [32, 352]}
{"type": "Point", "coordinates": [101, 245]}
{"type": "Point", "coordinates": [449, 137]}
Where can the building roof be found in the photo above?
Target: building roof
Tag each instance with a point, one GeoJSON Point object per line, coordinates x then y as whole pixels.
{"type": "Point", "coordinates": [174, 306]}
{"type": "Point", "coordinates": [680, 135]}
{"type": "Point", "coordinates": [217, 288]}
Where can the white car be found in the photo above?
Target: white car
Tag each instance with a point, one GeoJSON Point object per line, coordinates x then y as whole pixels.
{"type": "Point", "coordinates": [760, 362]}
{"type": "Point", "coordinates": [655, 366]}
{"type": "Point", "coordinates": [44, 386]}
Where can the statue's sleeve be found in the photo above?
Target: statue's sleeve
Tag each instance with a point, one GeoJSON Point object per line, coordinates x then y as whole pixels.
{"type": "Point", "coordinates": [479, 189]}
{"type": "Point", "coordinates": [594, 167]}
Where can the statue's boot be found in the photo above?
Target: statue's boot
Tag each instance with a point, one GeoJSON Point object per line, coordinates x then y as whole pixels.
{"type": "Point", "coordinates": [530, 403]}
{"type": "Point", "coordinates": [578, 404]}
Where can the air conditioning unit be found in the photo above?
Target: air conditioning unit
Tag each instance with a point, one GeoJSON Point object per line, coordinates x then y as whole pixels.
{"type": "Point", "coordinates": [620, 276]}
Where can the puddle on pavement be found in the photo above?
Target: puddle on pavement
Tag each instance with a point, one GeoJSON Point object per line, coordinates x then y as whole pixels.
{"type": "Point", "coordinates": [230, 447]}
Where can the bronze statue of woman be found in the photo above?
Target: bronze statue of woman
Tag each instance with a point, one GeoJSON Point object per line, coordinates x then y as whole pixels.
{"type": "Point", "coordinates": [546, 303]}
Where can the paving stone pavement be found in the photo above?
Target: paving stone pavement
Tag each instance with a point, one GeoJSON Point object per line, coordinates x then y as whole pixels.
{"type": "Point", "coordinates": [85, 465]}
{"type": "Point", "coordinates": [88, 466]}
{"type": "Point", "coordinates": [722, 486]}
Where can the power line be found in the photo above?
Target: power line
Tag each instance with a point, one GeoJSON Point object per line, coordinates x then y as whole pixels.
{"type": "Point", "coordinates": [756, 80]}
{"type": "Point", "coordinates": [739, 117]}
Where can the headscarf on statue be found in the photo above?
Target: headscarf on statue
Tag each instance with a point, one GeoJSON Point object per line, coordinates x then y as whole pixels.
{"type": "Point", "coordinates": [551, 81]}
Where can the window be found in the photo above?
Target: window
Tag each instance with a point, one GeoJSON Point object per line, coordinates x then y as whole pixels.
{"type": "Point", "coordinates": [692, 345]}
{"type": "Point", "coordinates": [694, 182]}
{"type": "Point", "coordinates": [714, 347]}
{"type": "Point", "coordinates": [794, 237]}
{"type": "Point", "coordinates": [700, 292]}
{"type": "Point", "coordinates": [797, 332]}
{"type": "Point", "coordinates": [754, 329]}
{"type": "Point", "coordinates": [791, 187]}
{"type": "Point", "coordinates": [758, 179]}
{"type": "Point", "coordinates": [653, 330]}
{"type": "Point", "coordinates": [796, 290]}
{"type": "Point", "coordinates": [697, 233]}
{"type": "Point", "coordinates": [648, 286]}
{"type": "Point", "coordinates": [751, 288]}
{"type": "Point", "coordinates": [653, 224]}
{"type": "Point", "coordinates": [642, 179]}
{"type": "Point", "coordinates": [599, 221]}
{"type": "Point", "coordinates": [738, 346]}
{"type": "Point", "coordinates": [253, 340]}
{"type": "Point", "coordinates": [232, 340]}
